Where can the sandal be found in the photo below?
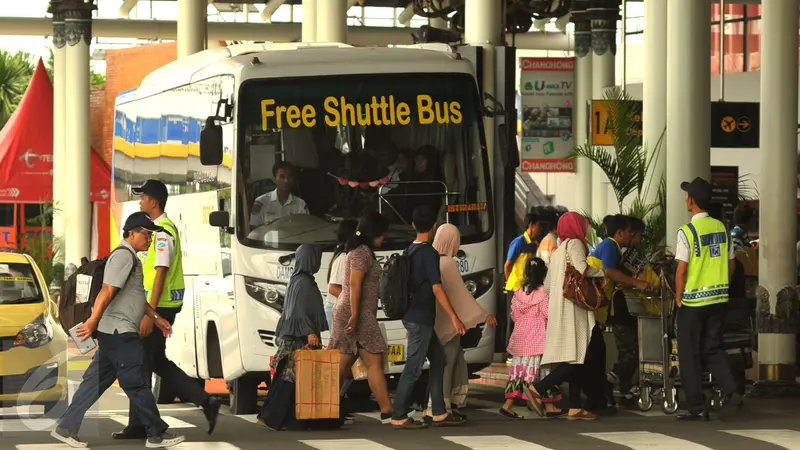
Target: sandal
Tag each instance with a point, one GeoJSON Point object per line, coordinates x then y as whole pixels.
{"type": "Point", "coordinates": [582, 415]}
{"type": "Point", "coordinates": [510, 414]}
{"type": "Point", "coordinates": [534, 400]}
{"type": "Point", "coordinates": [410, 424]}
{"type": "Point", "coordinates": [449, 421]}
{"type": "Point", "coordinates": [553, 414]}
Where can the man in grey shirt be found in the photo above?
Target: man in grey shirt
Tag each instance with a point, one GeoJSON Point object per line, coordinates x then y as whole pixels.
{"type": "Point", "coordinates": [118, 310]}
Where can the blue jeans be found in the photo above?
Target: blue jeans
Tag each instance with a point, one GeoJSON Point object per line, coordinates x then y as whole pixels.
{"type": "Point", "coordinates": [422, 344]}
{"type": "Point", "coordinates": [118, 357]}
{"type": "Point", "coordinates": [329, 314]}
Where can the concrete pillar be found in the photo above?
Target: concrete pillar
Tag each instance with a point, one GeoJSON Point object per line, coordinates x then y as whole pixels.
{"type": "Point", "coordinates": [777, 307]}
{"type": "Point", "coordinates": [604, 15]}
{"type": "Point", "coordinates": [59, 128]}
{"type": "Point", "coordinates": [332, 21]}
{"type": "Point", "coordinates": [309, 25]}
{"type": "Point", "coordinates": [655, 93]}
{"type": "Point", "coordinates": [688, 104]}
{"type": "Point", "coordinates": [583, 97]}
{"type": "Point", "coordinates": [78, 212]}
{"type": "Point", "coordinates": [192, 16]}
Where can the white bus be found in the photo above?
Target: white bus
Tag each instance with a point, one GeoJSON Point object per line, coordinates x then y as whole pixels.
{"type": "Point", "coordinates": [348, 119]}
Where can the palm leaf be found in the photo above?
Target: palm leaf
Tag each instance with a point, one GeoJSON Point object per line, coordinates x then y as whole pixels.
{"type": "Point", "coordinates": [16, 71]}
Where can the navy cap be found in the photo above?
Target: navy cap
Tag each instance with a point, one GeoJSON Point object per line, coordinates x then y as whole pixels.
{"type": "Point", "coordinates": [139, 220]}
{"type": "Point", "coordinates": [152, 188]}
{"type": "Point", "coordinates": [699, 189]}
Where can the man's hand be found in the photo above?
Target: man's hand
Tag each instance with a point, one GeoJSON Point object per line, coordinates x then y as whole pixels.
{"type": "Point", "coordinates": [643, 285]}
{"type": "Point", "coordinates": [164, 326]}
{"type": "Point", "coordinates": [491, 321]}
{"type": "Point", "coordinates": [85, 331]}
{"type": "Point", "coordinates": [313, 340]}
{"type": "Point", "coordinates": [460, 329]}
{"type": "Point", "coordinates": [146, 327]}
{"type": "Point", "coordinates": [678, 301]}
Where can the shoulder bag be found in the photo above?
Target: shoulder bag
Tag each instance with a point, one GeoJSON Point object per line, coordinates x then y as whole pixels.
{"type": "Point", "coordinates": [586, 292]}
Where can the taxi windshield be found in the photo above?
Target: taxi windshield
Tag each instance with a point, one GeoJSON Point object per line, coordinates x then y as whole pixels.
{"type": "Point", "coordinates": [18, 285]}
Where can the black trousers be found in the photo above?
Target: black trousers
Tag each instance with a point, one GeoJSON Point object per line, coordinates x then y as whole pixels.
{"type": "Point", "coordinates": [172, 377]}
{"type": "Point", "coordinates": [699, 336]}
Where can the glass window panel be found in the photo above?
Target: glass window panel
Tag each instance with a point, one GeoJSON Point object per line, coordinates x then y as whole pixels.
{"type": "Point", "coordinates": [753, 10]}
{"type": "Point", "coordinates": [374, 12]}
{"type": "Point", "coordinates": [715, 49]}
{"type": "Point", "coordinates": [734, 47]}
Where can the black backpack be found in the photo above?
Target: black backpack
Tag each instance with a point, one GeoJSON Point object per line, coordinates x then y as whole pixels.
{"type": "Point", "coordinates": [70, 312]}
{"type": "Point", "coordinates": [395, 288]}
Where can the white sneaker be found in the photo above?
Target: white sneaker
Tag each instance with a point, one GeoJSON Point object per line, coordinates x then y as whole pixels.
{"type": "Point", "coordinates": [164, 441]}
{"type": "Point", "coordinates": [68, 438]}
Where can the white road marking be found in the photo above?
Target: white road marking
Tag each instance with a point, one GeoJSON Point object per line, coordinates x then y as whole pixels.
{"type": "Point", "coordinates": [207, 446]}
{"type": "Point", "coordinates": [26, 424]}
{"type": "Point", "coordinates": [345, 444]}
{"type": "Point", "coordinates": [171, 421]}
{"type": "Point", "coordinates": [645, 440]}
{"type": "Point", "coordinates": [788, 439]}
{"type": "Point", "coordinates": [252, 418]}
{"type": "Point", "coordinates": [53, 446]}
{"type": "Point", "coordinates": [493, 443]}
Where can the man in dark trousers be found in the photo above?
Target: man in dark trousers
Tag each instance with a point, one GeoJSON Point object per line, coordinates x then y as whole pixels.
{"type": "Point", "coordinates": [705, 261]}
{"type": "Point", "coordinates": [116, 315]}
{"type": "Point", "coordinates": [164, 288]}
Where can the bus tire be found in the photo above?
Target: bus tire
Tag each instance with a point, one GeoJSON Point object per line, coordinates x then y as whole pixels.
{"type": "Point", "coordinates": [161, 392]}
{"type": "Point", "coordinates": [244, 396]}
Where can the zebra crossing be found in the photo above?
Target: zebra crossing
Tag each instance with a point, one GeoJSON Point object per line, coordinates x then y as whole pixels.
{"type": "Point", "coordinates": [238, 433]}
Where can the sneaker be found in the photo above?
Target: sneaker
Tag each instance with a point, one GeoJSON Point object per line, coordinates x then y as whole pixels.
{"type": "Point", "coordinates": [68, 438]}
{"type": "Point", "coordinates": [211, 411]}
{"type": "Point", "coordinates": [612, 378]}
{"type": "Point", "coordinates": [129, 435]}
{"type": "Point", "coordinates": [386, 418]}
{"type": "Point", "coordinates": [350, 419]}
{"type": "Point", "coordinates": [164, 440]}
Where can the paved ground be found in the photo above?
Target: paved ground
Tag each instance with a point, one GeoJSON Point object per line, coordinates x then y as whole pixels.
{"type": "Point", "coordinates": [763, 425]}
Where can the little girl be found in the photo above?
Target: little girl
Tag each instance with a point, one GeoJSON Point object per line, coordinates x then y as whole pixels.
{"type": "Point", "coordinates": [529, 313]}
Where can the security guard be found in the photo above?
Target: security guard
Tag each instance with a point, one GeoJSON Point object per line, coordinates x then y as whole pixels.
{"type": "Point", "coordinates": [164, 288]}
{"type": "Point", "coordinates": [705, 262]}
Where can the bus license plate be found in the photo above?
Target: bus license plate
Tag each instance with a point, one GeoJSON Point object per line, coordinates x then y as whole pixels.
{"type": "Point", "coordinates": [396, 352]}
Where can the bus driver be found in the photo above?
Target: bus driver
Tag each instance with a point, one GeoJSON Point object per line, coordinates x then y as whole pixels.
{"type": "Point", "coordinates": [279, 202]}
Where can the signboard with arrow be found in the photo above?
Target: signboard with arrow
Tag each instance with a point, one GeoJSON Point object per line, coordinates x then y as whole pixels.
{"type": "Point", "coordinates": [735, 125]}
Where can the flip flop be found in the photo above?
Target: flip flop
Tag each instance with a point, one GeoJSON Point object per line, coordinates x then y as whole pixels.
{"type": "Point", "coordinates": [582, 415]}
{"type": "Point", "coordinates": [510, 414]}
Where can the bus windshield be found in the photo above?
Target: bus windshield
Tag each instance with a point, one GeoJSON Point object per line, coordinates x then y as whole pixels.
{"type": "Point", "coordinates": [315, 151]}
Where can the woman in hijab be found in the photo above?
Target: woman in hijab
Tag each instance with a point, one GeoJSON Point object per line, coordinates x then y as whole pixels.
{"type": "Point", "coordinates": [456, 377]}
{"type": "Point", "coordinates": [569, 328]}
{"type": "Point", "coordinates": [300, 325]}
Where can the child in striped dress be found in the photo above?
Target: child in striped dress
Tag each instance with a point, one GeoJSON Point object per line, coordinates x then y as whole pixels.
{"type": "Point", "coordinates": [529, 313]}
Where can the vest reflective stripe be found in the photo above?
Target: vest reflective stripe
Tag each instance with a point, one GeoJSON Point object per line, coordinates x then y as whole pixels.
{"type": "Point", "coordinates": [707, 277]}
{"type": "Point", "coordinates": [174, 288]}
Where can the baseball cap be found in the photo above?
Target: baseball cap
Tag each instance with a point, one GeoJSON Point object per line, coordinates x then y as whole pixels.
{"type": "Point", "coordinates": [699, 189]}
{"type": "Point", "coordinates": [152, 188]}
{"type": "Point", "coordinates": [139, 220]}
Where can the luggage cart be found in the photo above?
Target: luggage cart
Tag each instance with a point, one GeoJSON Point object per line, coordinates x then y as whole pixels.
{"type": "Point", "coordinates": [658, 359]}
{"type": "Point", "coordinates": [659, 369]}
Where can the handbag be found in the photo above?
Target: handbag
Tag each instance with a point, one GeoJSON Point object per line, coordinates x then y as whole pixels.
{"type": "Point", "coordinates": [586, 292]}
{"type": "Point", "coordinates": [472, 337]}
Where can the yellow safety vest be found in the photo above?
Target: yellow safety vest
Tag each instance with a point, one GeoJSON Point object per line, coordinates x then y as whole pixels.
{"type": "Point", "coordinates": [174, 288]}
{"type": "Point", "coordinates": [708, 270]}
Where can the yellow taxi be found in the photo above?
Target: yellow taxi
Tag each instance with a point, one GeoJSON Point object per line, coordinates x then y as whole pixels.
{"type": "Point", "coordinates": [33, 346]}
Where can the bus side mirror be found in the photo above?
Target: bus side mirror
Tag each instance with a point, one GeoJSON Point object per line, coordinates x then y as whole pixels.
{"type": "Point", "coordinates": [508, 147]}
{"type": "Point", "coordinates": [219, 219]}
{"type": "Point", "coordinates": [211, 143]}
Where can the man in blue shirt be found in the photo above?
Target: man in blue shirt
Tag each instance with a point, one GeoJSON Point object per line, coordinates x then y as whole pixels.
{"type": "Point", "coordinates": [426, 290]}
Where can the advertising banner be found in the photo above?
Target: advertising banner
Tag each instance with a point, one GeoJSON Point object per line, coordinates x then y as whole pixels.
{"type": "Point", "coordinates": [546, 87]}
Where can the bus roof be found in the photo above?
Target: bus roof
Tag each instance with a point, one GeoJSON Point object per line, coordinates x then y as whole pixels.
{"type": "Point", "coordinates": [320, 57]}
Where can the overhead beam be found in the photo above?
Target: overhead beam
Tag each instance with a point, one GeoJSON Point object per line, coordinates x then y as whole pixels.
{"type": "Point", "coordinates": [274, 32]}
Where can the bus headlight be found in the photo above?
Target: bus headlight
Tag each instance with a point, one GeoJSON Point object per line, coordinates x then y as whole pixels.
{"type": "Point", "coordinates": [479, 283]}
{"type": "Point", "coordinates": [265, 292]}
{"type": "Point", "coordinates": [35, 334]}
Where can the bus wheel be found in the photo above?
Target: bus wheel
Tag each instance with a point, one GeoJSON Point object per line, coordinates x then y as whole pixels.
{"type": "Point", "coordinates": [161, 392]}
{"type": "Point", "coordinates": [244, 396]}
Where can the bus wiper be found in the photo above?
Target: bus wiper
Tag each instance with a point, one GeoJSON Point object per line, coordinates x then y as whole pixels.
{"type": "Point", "coordinates": [23, 301]}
